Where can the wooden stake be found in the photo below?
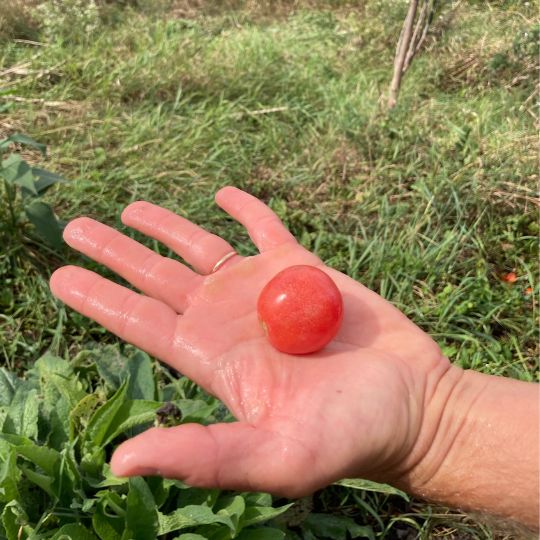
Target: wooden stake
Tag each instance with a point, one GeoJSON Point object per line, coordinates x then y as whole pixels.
{"type": "Point", "coordinates": [401, 52]}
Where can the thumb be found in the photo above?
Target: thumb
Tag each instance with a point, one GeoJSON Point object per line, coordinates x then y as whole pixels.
{"type": "Point", "coordinates": [227, 456]}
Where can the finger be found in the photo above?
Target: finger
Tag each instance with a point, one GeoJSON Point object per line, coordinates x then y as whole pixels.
{"type": "Point", "coordinates": [264, 227]}
{"type": "Point", "coordinates": [226, 456]}
{"type": "Point", "coordinates": [145, 322]}
{"type": "Point", "coordinates": [198, 247]}
{"type": "Point", "coordinates": [159, 277]}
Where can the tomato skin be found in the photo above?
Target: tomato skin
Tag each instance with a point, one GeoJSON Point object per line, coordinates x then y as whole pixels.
{"type": "Point", "coordinates": [300, 309]}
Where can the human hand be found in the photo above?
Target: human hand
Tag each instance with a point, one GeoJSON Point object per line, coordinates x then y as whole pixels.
{"type": "Point", "coordinates": [354, 409]}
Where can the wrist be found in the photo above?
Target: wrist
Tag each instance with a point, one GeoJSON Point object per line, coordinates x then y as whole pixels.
{"type": "Point", "coordinates": [442, 391]}
{"type": "Point", "coordinates": [477, 448]}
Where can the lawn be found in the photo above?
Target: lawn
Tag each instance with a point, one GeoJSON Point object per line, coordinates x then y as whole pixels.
{"type": "Point", "coordinates": [433, 205]}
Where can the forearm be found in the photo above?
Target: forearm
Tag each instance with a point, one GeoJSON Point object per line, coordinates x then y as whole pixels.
{"type": "Point", "coordinates": [479, 447]}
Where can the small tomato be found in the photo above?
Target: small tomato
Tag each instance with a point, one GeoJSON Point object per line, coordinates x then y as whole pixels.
{"type": "Point", "coordinates": [300, 309]}
{"type": "Point", "coordinates": [511, 277]}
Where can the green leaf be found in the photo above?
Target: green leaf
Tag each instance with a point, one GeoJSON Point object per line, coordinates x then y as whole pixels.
{"type": "Point", "coordinates": [141, 515]}
{"type": "Point", "coordinates": [22, 417]}
{"type": "Point", "coordinates": [196, 410]}
{"type": "Point", "coordinates": [111, 366]}
{"type": "Point", "coordinates": [3, 414]}
{"type": "Point", "coordinates": [47, 226]}
{"type": "Point", "coordinates": [193, 496]}
{"type": "Point", "coordinates": [109, 479]}
{"type": "Point", "coordinates": [234, 510]}
{"type": "Point", "coordinates": [160, 490]}
{"type": "Point", "coordinates": [44, 481]}
{"type": "Point", "coordinates": [102, 421]}
{"type": "Point", "coordinates": [73, 531]}
{"type": "Point", "coordinates": [60, 477]}
{"type": "Point", "coordinates": [58, 380]}
{"type": "Point", "coordinates": [67, 475]}
{"type": "Point", "coordinates": [132, 413]}
{"type": "Point", "coordinates": [112, 505]}
{"type": "Point", "coordinates": [261, 533]}
{"type": "Point", "coordinates": [50, 363]}
{"type": "Point", "coordinates": [45, 458]}
{"type": "Point", "coordinates": [5, 447]}
{"type": "Point", "coordinates": [54, 427]}
{"type": "Point", "coordinates": [45, 179]}
{"type": "Point", "coordinates": [114, 368]}
{"type": "Point", "coordinates": [259, 514]}
{"type": "Point", "coordinates": [190, 536]}
{"type": "Point", "coordinates": [190, 516]}
{"type": "Point", "coordinates": [368, 485]}
{"type": "Point", "coordinates": [23, 139]}
{"type": "Point", "coordinates": [141, 381]}
{"type": "Point", "coordinates": [81, 413]}
{"type": "Point", "coordinates": [91, 462]}
{"type": "Point", "coordinates": [8, 386]}
{"type": "Point", "coordinates": [336, 527]}
{"type": "Point", "coordinates": [61, 391]}
{"type": "Point", "coordinates": [16, 171]}
{"type": "Point", "coordinates": [13, 518]}
{"type": "Point", "coordinates": [15, 440]}
{"type": "Point", "coordinates": [258, 499]}
{"type": "Point", "coordinates": [107, 526]}
{"type": "Point", "coordinates": [9, 476]}
{"type": "Point", "coordinates": [57, 373]}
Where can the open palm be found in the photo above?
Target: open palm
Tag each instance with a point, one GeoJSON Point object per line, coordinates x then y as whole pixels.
{"type": "Point", "coordinates": [352, 409]}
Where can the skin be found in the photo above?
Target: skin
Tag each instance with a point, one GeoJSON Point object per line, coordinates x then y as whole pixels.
{"type": "Point", "coordinates": [378, 402]}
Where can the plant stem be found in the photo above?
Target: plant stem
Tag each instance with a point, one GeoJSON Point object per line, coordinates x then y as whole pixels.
{"type": "Point", "coordinates": [10, 197]}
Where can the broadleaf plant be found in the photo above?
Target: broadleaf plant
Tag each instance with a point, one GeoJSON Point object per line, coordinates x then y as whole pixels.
{"type": "Point", "coordinates": [58, 427]}
{"type": "Point", "coordinates": [24, 212]}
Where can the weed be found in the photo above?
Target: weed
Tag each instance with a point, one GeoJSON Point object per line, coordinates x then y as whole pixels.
{"type": "Point", "coordinates": [23, 185]}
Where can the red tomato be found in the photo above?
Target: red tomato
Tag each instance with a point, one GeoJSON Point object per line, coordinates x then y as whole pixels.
{"type": "Point", "coordinates": [511, 277]}
{"type": "Point", "coordinates": [300, 310]}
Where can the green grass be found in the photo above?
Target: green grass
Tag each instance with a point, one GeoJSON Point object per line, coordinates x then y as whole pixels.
{"type": "Point", "coordinates": [428, 205]}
